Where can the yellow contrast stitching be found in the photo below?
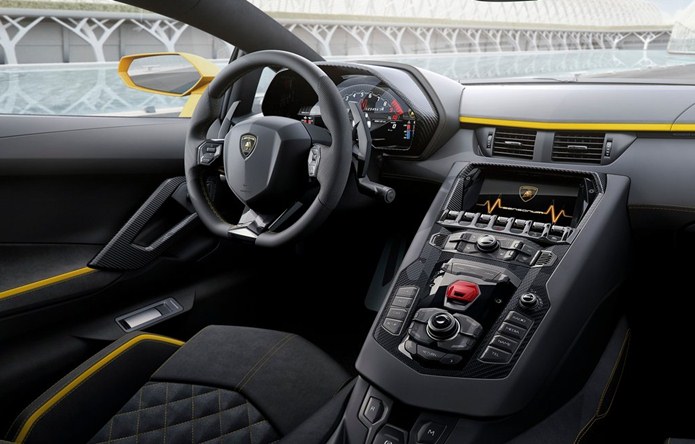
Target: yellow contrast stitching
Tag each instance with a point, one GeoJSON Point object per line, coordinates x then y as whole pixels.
{"type": "Point", "coordinates": [84, 376]}
{"type": "Point", "coordinates": [46, 282]}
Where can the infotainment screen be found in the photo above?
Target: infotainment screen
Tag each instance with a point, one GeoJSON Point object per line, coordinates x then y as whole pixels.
{"type": "Point", "coordinates": [544, 199]}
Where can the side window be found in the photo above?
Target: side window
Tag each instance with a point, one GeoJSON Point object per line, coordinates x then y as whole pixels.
{"type": "Point", "coordinates": [65, 62]}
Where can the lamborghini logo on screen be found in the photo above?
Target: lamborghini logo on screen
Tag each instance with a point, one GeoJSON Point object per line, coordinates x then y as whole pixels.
{"type": "Point", "coordinates": [247, 145]}
{"type": "Point", "coordinates": [527, 192]}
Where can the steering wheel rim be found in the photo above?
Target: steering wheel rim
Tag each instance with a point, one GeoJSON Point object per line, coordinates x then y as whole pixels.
{"type": "Point", "coordinates": [335, 159]}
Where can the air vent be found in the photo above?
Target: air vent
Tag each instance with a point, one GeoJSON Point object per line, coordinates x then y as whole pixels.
{"type": "Point", "coordinates": [578, 147]}
{"type": "Point", "coordinates": [514, 142]}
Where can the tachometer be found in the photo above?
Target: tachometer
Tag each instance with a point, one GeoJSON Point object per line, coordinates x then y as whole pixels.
{"type": "Point", "coordinates": [371, 99]}
{"type": "Point", "coordinates": [391, 122]}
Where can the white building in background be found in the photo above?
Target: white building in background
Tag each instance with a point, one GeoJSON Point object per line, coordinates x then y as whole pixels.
{"type": "Point", "coordinates": [345, 28]}
{"type": "Point", "coordinates": [364, 27]}
{"type": "Point", "coordinates": [683, 33]}
{"type": "Point", "coordinates": [575, 14]}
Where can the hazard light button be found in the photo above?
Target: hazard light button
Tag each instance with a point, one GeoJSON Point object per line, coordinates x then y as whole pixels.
{"type": "Point", "coordinates": [463, 291]}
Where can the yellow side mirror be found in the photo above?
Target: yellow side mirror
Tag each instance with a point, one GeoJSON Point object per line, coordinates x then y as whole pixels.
{"type": "Point", "coordinates": [176, 74]}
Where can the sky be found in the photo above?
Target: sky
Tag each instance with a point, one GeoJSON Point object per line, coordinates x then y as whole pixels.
{"type": "Point", "coordinates": [672, 7]}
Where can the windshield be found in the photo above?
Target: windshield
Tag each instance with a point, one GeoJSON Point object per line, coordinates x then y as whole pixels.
{"type": "Point", "coordinates": [60, 56]}
{"type": "Point", "coordinates": [468, 40]}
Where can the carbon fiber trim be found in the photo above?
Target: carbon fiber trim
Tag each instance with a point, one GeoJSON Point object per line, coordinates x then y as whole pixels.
{"type": "Point", "coordinates": [121, 254]}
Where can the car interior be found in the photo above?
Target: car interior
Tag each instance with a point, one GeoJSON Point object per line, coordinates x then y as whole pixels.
{"type": "Point", "coordinates": [380, 255]}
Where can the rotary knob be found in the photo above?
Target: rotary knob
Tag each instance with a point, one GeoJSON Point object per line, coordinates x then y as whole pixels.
{"type": "Point", "coordinates": [528, 300]}
{"type": "Point", "coordinates": [487, 243]}
{"type": "Point", "coordinates": [442, 326]}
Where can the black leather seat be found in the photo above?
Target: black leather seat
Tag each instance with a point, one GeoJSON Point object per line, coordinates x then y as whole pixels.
{"type": "Point", "coordinates": [227, 384]}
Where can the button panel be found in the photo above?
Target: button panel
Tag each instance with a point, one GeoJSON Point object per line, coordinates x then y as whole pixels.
{"type": "Point", "coordinates": [521, 227]}
{"type": "Point", "coordinates": [399, 309]}
{"type": "Point", "coordinates": [506, 248]}
{"type": "Point", "coordinates": [498, 254]}
{"type": "Point", "coordinates": [507, 339]}
{"type": "Point", "coordinates": [209, 151]}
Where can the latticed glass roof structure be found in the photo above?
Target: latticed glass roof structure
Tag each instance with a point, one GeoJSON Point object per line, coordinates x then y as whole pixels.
{"type": "Point", "coordinates": [576, 14]}
{"type": "Point", "coordinates": [683, 33]}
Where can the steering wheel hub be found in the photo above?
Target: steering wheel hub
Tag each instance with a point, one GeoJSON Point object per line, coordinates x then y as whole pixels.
{"type": "Point", "coordinates": [265, 170]}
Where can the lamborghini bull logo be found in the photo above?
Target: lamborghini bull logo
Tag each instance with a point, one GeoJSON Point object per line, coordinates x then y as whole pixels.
{"type": "Point", "coordinates": [247, 144]}
{"type": "Point", "coordinates": [527, 192]}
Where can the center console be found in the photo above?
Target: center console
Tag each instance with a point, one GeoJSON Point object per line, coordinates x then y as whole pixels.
{"type": "Point", "coordinates": [501, 227]}
{"type": "Point", "coordinates": [506, 271]}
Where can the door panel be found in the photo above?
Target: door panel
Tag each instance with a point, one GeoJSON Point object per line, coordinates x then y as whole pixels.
{"type": "Point", "coordinates": [69, 207]}
{"type": "Point", "coordinates": [75, 192]}
{"type": "Point", "coordinates": [81, 184]}
{"type": "Point", "coordinates": [67, 186]}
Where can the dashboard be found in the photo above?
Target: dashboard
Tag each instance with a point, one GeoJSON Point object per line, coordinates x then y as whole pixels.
{"type": "Point", "coordinates": [422, 122]}
{"type": "Point", "coordinates": [529, 235]}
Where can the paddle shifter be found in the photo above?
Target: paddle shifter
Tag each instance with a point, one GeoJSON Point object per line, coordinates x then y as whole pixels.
{"type": "Point", "coordinates": [363, 153]}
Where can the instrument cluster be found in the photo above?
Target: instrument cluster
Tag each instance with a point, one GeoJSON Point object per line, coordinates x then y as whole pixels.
{"type": "Point", "coordinates": [392, 120]}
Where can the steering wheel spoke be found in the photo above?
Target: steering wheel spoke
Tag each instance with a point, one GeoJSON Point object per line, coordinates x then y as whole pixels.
{"type": "Point", "coordinates": [209, 151]}
{"type": "Point", "coordinates": [251, 223]}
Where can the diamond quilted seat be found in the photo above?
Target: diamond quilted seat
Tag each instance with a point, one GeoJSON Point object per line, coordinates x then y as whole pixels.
{"type": "Point", "coordinates": [225, 385]}
{"type": "Point", "coordinates": [183, 413]}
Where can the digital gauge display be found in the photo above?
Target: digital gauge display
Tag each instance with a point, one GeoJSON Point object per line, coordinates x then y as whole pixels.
{"type": "Point", "coordinates": [391, 122]}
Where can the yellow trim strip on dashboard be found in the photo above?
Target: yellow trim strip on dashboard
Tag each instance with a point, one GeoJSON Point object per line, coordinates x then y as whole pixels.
{"type": "Point", "coordinates": [46, 282]}
{"type": "Point", "coordinates": [683, 127]}
{"type": "Point", "coordinates": [586, 126]}
{"type": "Point", "coordinates": [101, 363]}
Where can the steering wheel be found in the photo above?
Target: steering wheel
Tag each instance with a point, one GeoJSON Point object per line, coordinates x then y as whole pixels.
{"type": "Point", "coordinates": [269, 160]}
